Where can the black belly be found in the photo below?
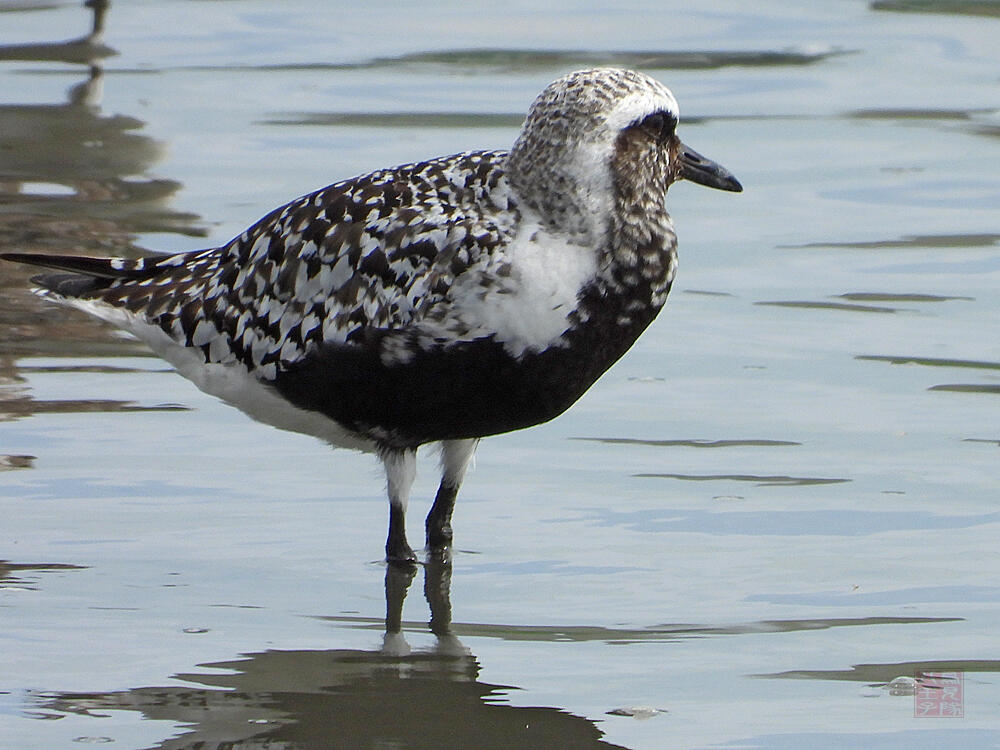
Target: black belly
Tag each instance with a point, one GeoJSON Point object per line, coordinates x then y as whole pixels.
{"type": "Point", "coordinates": [465, 390]}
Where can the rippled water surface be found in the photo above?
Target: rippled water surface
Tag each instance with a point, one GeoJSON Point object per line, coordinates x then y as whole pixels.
{"type": "Point", "coordinates": [766, 527]}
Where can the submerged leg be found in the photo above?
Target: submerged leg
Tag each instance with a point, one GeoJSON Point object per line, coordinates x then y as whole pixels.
{"type": "Point", "coordinates": [455, 457]}
{"type": "Point", "coordinates": [400, 469]}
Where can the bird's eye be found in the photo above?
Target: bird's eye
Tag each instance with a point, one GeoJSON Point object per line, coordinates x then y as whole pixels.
{"type": "Point", "coordinates": [661, 124]}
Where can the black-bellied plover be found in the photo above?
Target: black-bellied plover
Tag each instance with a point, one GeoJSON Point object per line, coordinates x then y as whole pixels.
{"type": "Point", "coordinates": [434, 302]}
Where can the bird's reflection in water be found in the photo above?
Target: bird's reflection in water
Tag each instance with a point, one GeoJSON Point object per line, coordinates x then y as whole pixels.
{"type": "Point", "coordinates": [86, 49]}
{"type": "Point", "coordinates": [391, 697]}
{"type": "Point", "coordinates": [68, 168]}
{"type": "Point", "coordinates": [73, 179]}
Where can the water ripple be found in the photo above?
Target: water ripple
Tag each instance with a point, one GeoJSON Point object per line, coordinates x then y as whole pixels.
{"type": "Point", "coordinates": [787, 523]}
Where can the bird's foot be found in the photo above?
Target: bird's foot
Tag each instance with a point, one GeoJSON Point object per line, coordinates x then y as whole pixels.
{"type": "Point", "coordinates": [439, 538]}
{"type": "Point", "coordinates": [399, 552]}
{"type": "Point", "coordinates": [439, 535]}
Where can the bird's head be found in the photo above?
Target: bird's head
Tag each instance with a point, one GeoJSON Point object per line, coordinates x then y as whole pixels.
{"type": "Point", "coordinates": [601, 139]}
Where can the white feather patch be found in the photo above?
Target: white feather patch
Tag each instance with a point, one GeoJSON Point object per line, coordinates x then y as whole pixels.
{"type": "Point", "coordinates": [641, 104]}
{"type": "Point", "coordinates": [528, 308]}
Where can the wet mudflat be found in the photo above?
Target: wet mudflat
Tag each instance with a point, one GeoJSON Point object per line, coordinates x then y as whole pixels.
{"type": "Point", "coordinates": [772, 525]}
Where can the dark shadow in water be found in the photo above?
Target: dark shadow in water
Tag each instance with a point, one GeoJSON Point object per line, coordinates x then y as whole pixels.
{"type": "Point", "coordinates": [391, 697]}
{"type": "Point", "coordinates": [665, 633]}
{"type": "Point", "coordinates": [967, 388]}
{"type": "Point", "coordinates": [758, 479]}
{"type": "Point", "coordinates": [910, 241]}
{"type": "Point", "coordinates": [930, 361]}
{"type": "Point", "coordinates": [880, 674]}
{"type": "Point", "coordinates": [398, 119]}
{"type": "Point", "coordinates": [67, 160]}
{"type": "Point", "coordinates": [73, 180]}
{"type": "Point", "coordinates": [25, 406]}
{"type": "Point", "coordinates": [809, 305]}
{"type": "Point", "coordinates": [12, 462]}
{"type": "Point", "coordinates": [957, 7]}
{"type": "Point", "coordinates": [976, 121]}
{"type": "Point", "coordinates": [991, 388]}
{"type": "Point", "coordinates": [993, 131]}
{"type": "Point", "coordinates": [519, 60]}
{"type": "Point", "coordinates": [786, 523]}
{"type": "Point", "coordinates": [530, 60]}
{"type": "Point", "coordinates": [102, 369]}
{"type": "Point", "coordinates": [887, 598]}
{"type": "Point", "coordinates": [17, 402]}
{"type": "Point", "coordinates": [19, 575]}
{"type": "Point", "coordinates": [707, 293]}
{"type": "Point", "coordinates": [527, 59]}
{"type": "Point", "coordinates": [914, 113]}
{"type": "Point", "coordinates": [891, 297]}
{"type": "Point", "coordinates": [87, 49]}
{"type": "Point", "coordinates": [692, 443]}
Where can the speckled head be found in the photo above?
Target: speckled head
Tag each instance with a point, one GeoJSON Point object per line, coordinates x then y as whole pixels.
{"type": "Point", "coordinates": [592, 130]}
{"type": "Point", "coordinates": [561, 160]}
{"type": "Point", "coordinates": [598, 103]}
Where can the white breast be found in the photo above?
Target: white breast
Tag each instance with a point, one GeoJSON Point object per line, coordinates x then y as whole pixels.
{"type": "Point", "coordinates": [522, 297]}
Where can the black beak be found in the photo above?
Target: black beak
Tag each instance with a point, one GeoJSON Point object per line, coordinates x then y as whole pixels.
{"type": "Point", "coordinates": [697, 168]}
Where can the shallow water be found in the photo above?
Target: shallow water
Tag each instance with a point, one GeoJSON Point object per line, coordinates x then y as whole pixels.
{"type": "Point", "coordinates": [782, 499]}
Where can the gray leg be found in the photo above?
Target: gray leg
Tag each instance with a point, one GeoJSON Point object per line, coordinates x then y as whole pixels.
{"type": "Point", "coordinates": [400, 469]}
{"type": "Point", "coordinates": [455, 457]}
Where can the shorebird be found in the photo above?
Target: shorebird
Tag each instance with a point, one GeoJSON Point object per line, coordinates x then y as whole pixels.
{"type": "Point", "coordinates": [435, 302]}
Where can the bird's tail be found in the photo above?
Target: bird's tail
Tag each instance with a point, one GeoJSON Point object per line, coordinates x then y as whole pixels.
{"type": "Point", "coordinates": [81, 276]}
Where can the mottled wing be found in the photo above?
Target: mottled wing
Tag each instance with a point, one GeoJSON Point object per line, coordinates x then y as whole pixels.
{"type": "Point", "coordinates": [372, 252]}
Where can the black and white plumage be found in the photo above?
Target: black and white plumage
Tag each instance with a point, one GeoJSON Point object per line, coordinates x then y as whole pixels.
{"type": "Point", "coordinates": [440, 301]}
